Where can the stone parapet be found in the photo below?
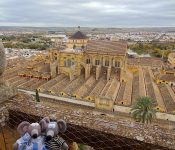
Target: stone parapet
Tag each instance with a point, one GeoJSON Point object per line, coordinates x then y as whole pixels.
{"type": "Point", "coordinates": [129, 131]}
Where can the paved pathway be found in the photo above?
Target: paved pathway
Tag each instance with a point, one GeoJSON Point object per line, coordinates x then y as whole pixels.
{"type": "Point", "coordinates": [64, 99]}
{"type": "Point", "coordinates": [123, 109]}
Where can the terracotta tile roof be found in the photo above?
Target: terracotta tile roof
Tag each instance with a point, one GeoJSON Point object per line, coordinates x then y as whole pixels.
{"type": "Point", "coordinates": [167, 77]}
{"type": "Point", "coordinates": [133, 61]}
{"type": "Point", "coordinates": [78, 35]}
{"type": "Point", "coordinates": [146, 61]}
{"type": "Point", "coordinates": [107, 47]}
{"type": "Point", "coordinates": [46, 75]}
{"type": "Point", "coordinates": [45, 68]}
{"type": "Point", "coordinates": [170, 70]}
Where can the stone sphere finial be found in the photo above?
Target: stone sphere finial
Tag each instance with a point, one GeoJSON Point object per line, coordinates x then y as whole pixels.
{"type": "Point", "coordinates": [2, 58]}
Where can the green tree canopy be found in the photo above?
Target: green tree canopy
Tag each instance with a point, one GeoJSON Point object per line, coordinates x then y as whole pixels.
{"type": "Point", "coordinates": [155, 49]}
{"type": "Point", "coordinates": [143, 110]}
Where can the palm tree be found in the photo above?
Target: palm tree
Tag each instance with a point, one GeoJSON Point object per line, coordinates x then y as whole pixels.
{"type": "Point", "coordinates": [143, 110]}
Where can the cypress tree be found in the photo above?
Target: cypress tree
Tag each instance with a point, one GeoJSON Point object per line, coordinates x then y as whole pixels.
{"type": "Point", "coordinates": [74, 47]}
{"type": "Point", "coordinates": [37, 96]}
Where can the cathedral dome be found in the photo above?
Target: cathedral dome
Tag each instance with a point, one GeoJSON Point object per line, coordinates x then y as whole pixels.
{"type": "Point", "coordinates": [78, 35]}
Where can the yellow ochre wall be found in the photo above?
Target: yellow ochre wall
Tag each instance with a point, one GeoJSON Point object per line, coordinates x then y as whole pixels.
{"type": "Point", "coordinates": [58, 58]}
{"type": "Point", "coordinates": [76, 42]}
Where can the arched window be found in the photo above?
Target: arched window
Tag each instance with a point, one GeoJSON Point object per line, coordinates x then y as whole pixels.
{"type": "Point", "coordinates": [106, 62]}
{"type": "Point", "coordinates": [117, 63]}
{"type": "Point", "coordinates": [88, 61]}
{"type": "Point", "coordinates": [97, 62]}
{"type": "Point", "coordinates": [65, 63]}
{"type": "Point", "coordinates": [69, 63]}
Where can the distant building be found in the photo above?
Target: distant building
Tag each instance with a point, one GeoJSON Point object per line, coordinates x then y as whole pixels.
{"type": "Point", "coordinates": [101, 72]}
{"type": "Point", "coordinates": [95, 59]}
{"type": "Point", "coordinates": [83, 55]}
{"type": "Point", "coordinates": [171, 58]}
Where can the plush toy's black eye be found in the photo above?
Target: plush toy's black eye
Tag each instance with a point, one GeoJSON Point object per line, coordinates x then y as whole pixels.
{"type": "Point", "coordinates": [48, 138]}
{"type": "Point", "coordinates": [35, 136]}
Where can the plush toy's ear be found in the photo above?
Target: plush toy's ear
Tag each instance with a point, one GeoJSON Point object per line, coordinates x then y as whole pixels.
{"type": "Point", "coordinates": [62, 125]}
{"type": "Point", "coordinates": [23, 127]}
{"type": "Point", "coordinates": [44, 123]}
{"type": "Point", "coordinates": [15, 146]}
{"type": "Point", "coordinates": [46, 119]}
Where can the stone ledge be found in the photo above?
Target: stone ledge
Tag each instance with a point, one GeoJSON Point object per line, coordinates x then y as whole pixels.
{"type": "Point", "coordinates": [149, 134]}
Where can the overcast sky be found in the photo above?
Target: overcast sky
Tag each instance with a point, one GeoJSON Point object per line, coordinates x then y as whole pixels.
{"type": "Point", "coordinates": [92, 13]}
